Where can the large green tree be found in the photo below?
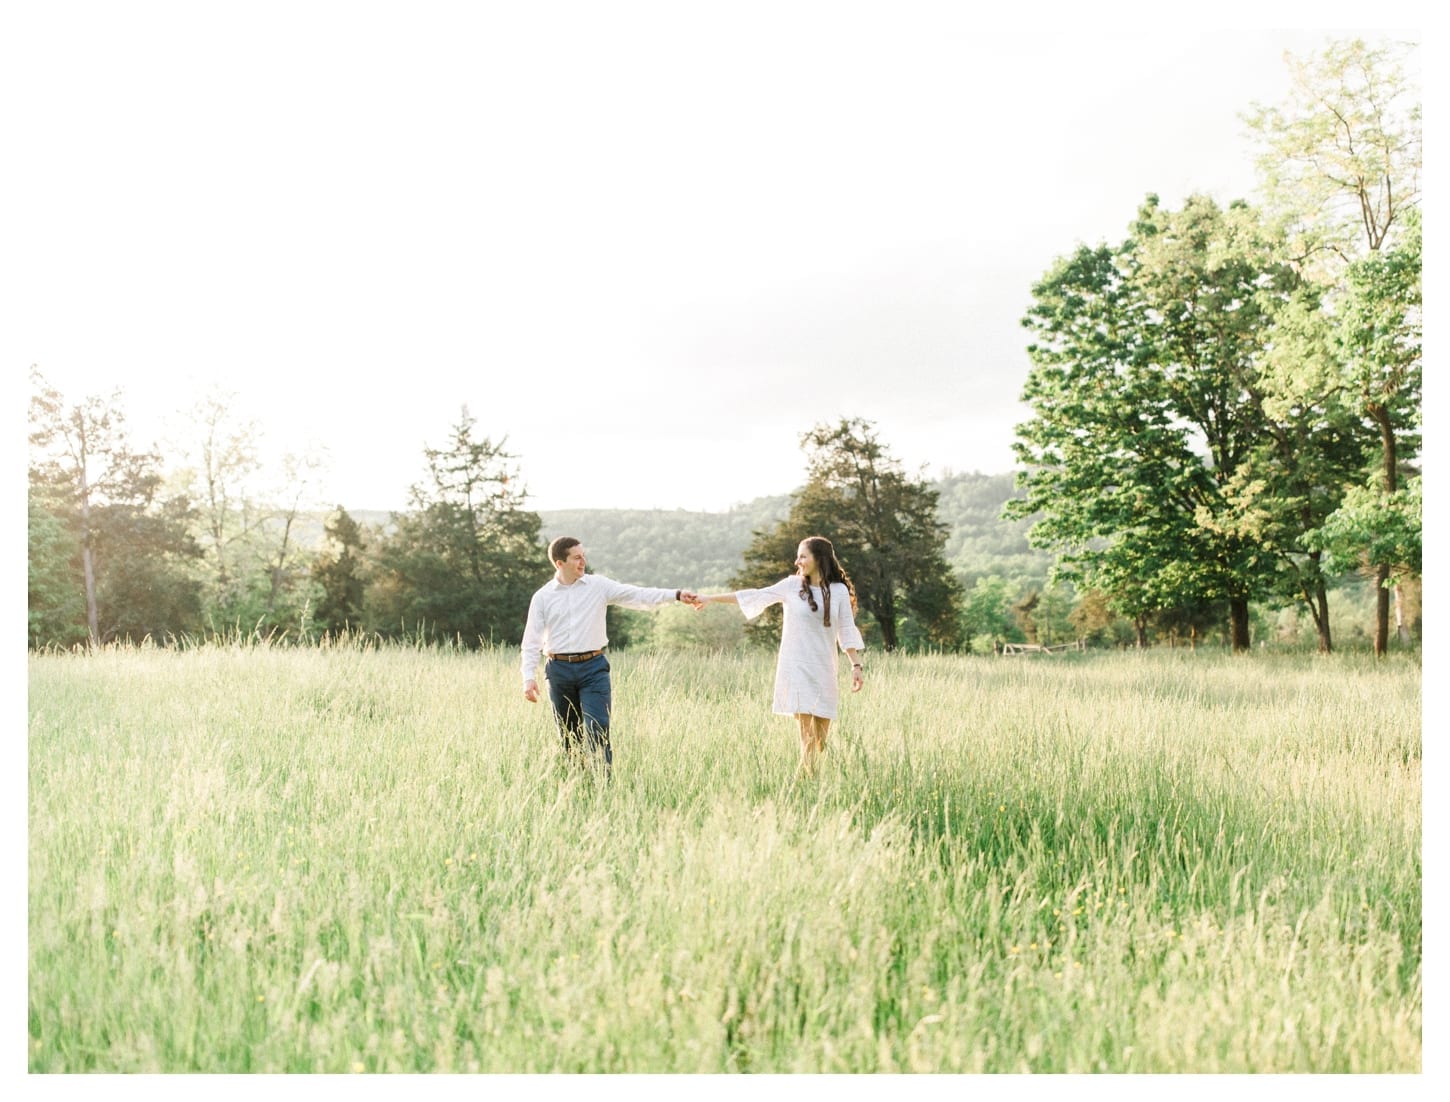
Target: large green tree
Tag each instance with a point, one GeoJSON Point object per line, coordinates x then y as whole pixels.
{"type": "Point", "coordinates": [98, 519]}
{"type": "Point", "coordinates": [883, 524]}
{"type": "Point", "coordinates": [1143, 390]}
{"type": "Point", "coordinates": [1340, 161]}
{"type": "Point", "coordinates": [463, 561]}
{"type": "Point", "coordinates": [1376, 341]}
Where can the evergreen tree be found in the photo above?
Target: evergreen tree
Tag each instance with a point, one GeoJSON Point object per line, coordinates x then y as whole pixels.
{"type": "Point", "coordinates": [884, 527]}
{"type": "Point", "coordinates": [463, 562]}
{"type": "Point", "coordinates": [338, 572]}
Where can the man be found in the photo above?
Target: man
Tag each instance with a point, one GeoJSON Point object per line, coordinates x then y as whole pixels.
{"type": "Point", "coordinates": [566, 624]}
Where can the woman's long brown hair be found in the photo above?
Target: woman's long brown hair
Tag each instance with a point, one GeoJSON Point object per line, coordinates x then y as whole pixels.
{"type": "Point", "coordinates": [831, 571]}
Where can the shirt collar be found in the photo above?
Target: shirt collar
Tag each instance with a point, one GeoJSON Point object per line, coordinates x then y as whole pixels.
{"type": "Point", "coordinates": [555, 583]}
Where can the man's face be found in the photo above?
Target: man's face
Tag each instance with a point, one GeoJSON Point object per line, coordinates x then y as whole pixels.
{"type": "Point", "coordinates": [572, 568]}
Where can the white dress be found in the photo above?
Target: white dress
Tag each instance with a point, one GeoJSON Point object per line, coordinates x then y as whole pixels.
{"type": "Point", "coordinates": [805, 671]}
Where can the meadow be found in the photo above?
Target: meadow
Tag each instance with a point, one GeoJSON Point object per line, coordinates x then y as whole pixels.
{"type": "Point", "coordinates": [369, 859]}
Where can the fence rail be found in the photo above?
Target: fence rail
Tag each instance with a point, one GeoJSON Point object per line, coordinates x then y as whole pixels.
{"type": "Point", "coordinates": [1033, 648]}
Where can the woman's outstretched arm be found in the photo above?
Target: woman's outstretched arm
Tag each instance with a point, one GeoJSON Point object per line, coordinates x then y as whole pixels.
{"type": "Point", "coordinates": [716, 598]}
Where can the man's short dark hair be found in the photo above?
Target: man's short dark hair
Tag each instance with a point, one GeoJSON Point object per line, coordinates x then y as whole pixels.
{"type": "Point", "coordinates": [560, 548]}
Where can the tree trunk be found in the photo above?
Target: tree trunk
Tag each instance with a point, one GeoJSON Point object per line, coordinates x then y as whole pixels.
{"type": "Point", "coordinates": [1381, 611]}
{"type": "Point", "coordinates": [1390, 474]}
{"type": "Point", "coordinates": [887, 623]}
{"type": "Point", "coordinates": [885, 613]}
{"type": "Point", "coordinates": [281, 564]}
{"type": "Point", "coordinates": [1238, 618]}
{"type": "Point", "coordinates": [1408, 613]}
{"type": "Point", "coordinates": [93, 620]}
{"type": "Point", "coordinates": [1141, 624]}
{"type": "Point", "coordinates": [1316, 600]}
{"type": "Point", "coordinates": [1321, 617]}
{"type": "Point", "coordinates": [88, 563]}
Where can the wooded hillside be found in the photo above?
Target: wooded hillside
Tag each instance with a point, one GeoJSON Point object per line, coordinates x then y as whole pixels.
{"type": "Point", "coordinates": [704, 550]}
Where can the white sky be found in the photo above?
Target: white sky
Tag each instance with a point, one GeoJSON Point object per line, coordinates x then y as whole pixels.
{"type": "Point", "coordinates": [649, 248]}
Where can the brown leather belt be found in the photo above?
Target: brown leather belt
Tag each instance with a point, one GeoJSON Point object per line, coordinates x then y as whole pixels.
{"type": "Point", "coordinates": [582, 656]}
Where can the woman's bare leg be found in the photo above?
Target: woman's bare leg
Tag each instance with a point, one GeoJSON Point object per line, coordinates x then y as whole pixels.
{"type": "Point", "coordinates": [813, 741]}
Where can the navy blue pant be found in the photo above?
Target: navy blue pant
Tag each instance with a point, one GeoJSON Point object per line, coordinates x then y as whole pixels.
{"type": "Point", "coordinates": [581, 696]}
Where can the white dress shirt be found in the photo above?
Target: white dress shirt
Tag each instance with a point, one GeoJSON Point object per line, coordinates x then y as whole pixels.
{"type": "Point", "coordinates": [569, 619]}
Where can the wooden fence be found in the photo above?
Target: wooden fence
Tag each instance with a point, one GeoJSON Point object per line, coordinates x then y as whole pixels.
{"type": "Point", "coordinates": [1033, 648]}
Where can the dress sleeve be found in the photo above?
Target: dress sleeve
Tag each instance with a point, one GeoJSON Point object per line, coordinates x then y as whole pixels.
{"type": "Point", "coordinates": [755, 601]}
{"type": "Point", "coordinates": [848, 635]}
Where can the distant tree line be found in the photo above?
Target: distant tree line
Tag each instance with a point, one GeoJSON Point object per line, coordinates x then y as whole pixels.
{"type": "Point", "coordinates": [119, 551]}
{"type": "Point", "coordinates": [460, 563]}
{"type": "Point", "coordinates": [1225, 429]}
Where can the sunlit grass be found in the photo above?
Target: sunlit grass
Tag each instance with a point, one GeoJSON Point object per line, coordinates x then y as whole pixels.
{"type": "Point", "coordinates": [354, 859]}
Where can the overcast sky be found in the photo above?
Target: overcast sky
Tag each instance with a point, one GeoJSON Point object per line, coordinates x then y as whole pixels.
{"type": "Point", "coordinates": [650, 245]}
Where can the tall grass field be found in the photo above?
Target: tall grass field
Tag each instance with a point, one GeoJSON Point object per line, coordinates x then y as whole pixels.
{"type": "Point", "coordinates": [371, 859]}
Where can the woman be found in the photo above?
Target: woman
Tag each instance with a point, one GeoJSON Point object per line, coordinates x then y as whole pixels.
{"type": "Point", "coordinates": [820, 605]}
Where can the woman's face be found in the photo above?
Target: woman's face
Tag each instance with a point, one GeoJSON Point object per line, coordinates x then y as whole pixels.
{"type": "Point", "coordinates": [805, 562]}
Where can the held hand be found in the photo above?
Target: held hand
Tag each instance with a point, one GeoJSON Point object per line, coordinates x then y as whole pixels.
{"type": "Point", "coordinates": [531, 692]}
{"type": "Point", "coordinates": [691, 599]}
{"type": "Point", "coordinates": [857, 678]}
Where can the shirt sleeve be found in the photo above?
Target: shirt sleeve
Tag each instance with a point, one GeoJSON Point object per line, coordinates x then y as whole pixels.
{"type": "Point", "coordinates": [635, 596]}
{"type": "Point", "coordinates": [848, 635]}
{"type": "Point", "coordinates": [755, 601]}
{"type": "Point", "coordinates": [533, 643]}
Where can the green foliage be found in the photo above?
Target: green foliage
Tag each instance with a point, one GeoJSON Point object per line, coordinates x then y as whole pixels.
{"type": "Point", "coordinates": [1043, 615]}
{"type": "Point", "coordinates": [674, 548]}
{"type": "Point", "coordinates": [96, 499]}
{"type": "Point", "coordinates": [1146, 410]}
{"type": "Point", "coordinates": [1340, 159]}
{"type": "Point", "coordinates": [1341, 164]}
{"type": "Point", "coordinates": [1385, 528]}
{"type": "Point", "coordinates": [57, 602]}
{"type": "Point", "coordinates": [986, 611]}
{"type": "Point", "coordinates": [1094, 621]}
{"type": "Point", "coordinates": [1379, 338]}
{"type": "Point", "coordinates": [1360, 371]}
{"type": "Point", "coordinates": [464, 561]}
{"type": "Point", "coordinates": [233, 527]}
{"type": "Point", "coordinates": [885, 530]}
{"type": "Point", "coordinates": [712, 629]}
{"type": "Point", "coordinates": [338, 571]}
{"type": "Point", "coordinates": [147, 584]}
{"type": "Point", "coordinates": [704, 551]}
{"type": "Point", "coordinates": [980, 541]}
